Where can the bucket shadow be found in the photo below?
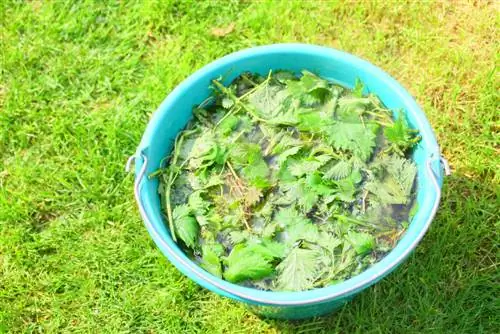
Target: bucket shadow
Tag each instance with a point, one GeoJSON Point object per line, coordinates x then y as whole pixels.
{"type": "Point", "coordinates": [446, 284]}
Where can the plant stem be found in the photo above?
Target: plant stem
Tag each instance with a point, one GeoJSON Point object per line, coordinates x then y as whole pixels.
{"type": "Point", "coordinates": [352, 220]}
{"type": "Point", "coordinates": [238, 100]}
{"type": "Point", "coordinates": [171, 178]}
{"type": "Point", "coordinates": [232, 171]}
{"type": "Point", "coordinates": [238, 184]}
{"type": "Point", "coordinates": [232, 111]}
{"type": "Point", "coordinates": [178, 140]}
{"type": "Point", "coordinates": [382, 116]}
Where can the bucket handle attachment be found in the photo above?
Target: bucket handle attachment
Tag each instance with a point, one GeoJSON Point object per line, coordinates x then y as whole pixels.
{"type": "Point", "coordinates": [446, 165]}
{"type": "Point", "coordinates": [435, 177]}
{"type": "Point", "coordinates": [138, 181]}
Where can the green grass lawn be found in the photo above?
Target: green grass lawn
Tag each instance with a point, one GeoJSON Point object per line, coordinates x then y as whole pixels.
{"type": "Point", "coordinates": [79, 81]}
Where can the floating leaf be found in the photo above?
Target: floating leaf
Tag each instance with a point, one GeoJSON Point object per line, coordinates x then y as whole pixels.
{"type": "Point", "coordinates": [251, 261]}
{"type": "Point", "coordinates": [400, 135]}
{"type": "Point", "coordinates": [210, 260]}
{"type": "Point", "coordinates": [362, 242]}
{"type": "Point", "coordinates": [356, 138]}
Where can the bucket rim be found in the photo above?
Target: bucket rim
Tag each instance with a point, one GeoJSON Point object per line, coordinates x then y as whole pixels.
{"type": "Point", "coordinates": [279, 298]}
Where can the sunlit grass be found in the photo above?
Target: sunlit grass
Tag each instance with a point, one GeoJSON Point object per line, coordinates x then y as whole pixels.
{"type": "Point", "coordinates": [79, 83]}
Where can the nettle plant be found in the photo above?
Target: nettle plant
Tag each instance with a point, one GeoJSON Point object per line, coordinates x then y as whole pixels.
{"type": "Point", "coordinates": [289, 182]}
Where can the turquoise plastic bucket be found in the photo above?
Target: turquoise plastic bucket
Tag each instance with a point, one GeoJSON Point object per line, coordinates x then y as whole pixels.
{"type": "Point", "coordinates": [175, 112]}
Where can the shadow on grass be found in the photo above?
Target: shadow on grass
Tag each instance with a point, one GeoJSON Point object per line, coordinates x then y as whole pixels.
{"type": "Point", "coordinates": [446, 285]}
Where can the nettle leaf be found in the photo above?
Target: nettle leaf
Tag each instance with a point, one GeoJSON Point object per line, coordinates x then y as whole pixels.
{"type": "Point", "coordinates": [308, 199]}
{"type": "Point", "coordinates": [302, 231]}
{"type": "Point", "coordinates": [266, 210]}
{"type": "Point", "coordinates": [285, 143]}
{"type": "Point", "coordinates": [298, 192]}
{"type": "Point", "coordinates": [298, 270]}
{"type": "Point", "coordinates": [270, 230]}
{"type": "Point", "coordinates": [257, 174]}
{"type": "Point", "coordinates": [186, 226]}
{"type": "Point", "coordinates": [268, 248]}
{"type": "Point", "coordinates": [328, 241]}
{"type": "Point", "coordinates": [311, 82]}
{"type": "Point", "coordinates": [310, 90]}
{"type": "Point", "coordinates": [361, 242]}
{"type": "Point", "coordinates": [306, 166]}
{"type": "Point", "coordinates": [307, 84]}
{"type": "Point", "coordinates": [351, 108]}
{"type": "Point", "coordinates": [319, 185]}
{"type": "Point", "coordinates": [228, 125]}
{"type": "Point", "coordinates": [203, 145]}
{"type": "Point", "coordinates": [329, 107]}
{"type": "Point", "coordinates": [255, 171]}
{"type": "Point", "coordinates": [290, 216]}
{"type": "Point", "coordinates": [197, 204]}
{"type": "Point", "coordinates": [185, 149]}
{"type": "Point", "coordinates": [245, 153]}
{"type": "Point", "coordinates": [312, 121]}
{"type": "Point", "coordinates": [252, 266]}
{"type": "Point", "coordinates": [386, 192]}
{"type": "Point", "coordinates": [283, 76]}
{"type": "Point", "coordinates": [268, 100]}
{"type": "Point", "coordinates": [302, 167]}
{"type": "Point", "coordinates": [356, 138]}
{"type": "Point", "coordinates": [227, 103]}
{"type": "Point", "coordinates": [206, 152]}
{"type": "Point", "coordinates": [251, 261]}
{"type": "Point", "coordinates": [340, 170]}
{"type": "Point", "coordinates": [396, 180]}
{"type": "Point", "coordinates": [400, 135]}
{"type": "Point", "coordinates": [353, 104]}
{"type": "Point", "coordinates": [238, 237]}
{"type": "Point", "coordinates": [210, 260]}
{"type": "Point", "coordinates": [347, 187]}
{"type": "Point", "coordinates": [282, 157]}
{"type": "Point", "coordinates": [404, 171]}
{"type": "Point", "coordinates": [253, 196]}
{"type": "Point", "coordinates": [358, 88]}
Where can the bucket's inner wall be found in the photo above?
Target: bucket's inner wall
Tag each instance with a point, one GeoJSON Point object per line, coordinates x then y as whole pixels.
{"type": "Point", "coordinates": [174, 113]}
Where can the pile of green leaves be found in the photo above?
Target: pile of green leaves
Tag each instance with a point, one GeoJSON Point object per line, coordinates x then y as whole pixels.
{"type": "Point", "coordinates": [287, 182]}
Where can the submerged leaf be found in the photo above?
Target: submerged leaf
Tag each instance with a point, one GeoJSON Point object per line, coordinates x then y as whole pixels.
{"type": "Point", "coordinates": [299, 192]}
{"type": "Point", "coordinates": [396, 181]}
{"type": "Point", "coordinates": [339, 170]}
{"type": "Point", "coordinates": [298, 270]}
{"type": "Point", "coordinates": [302, 231]}
{"type": "Point", "coordinates": [353, 137]}
{"type": "Point", "coordinates": [257, 174]}
{"type": "Point", "coordinates": [186, 226]}
{"type": "Point", "coordinates": [268, 100]}
{"type": "Point", "coordinates": [290, 216]}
